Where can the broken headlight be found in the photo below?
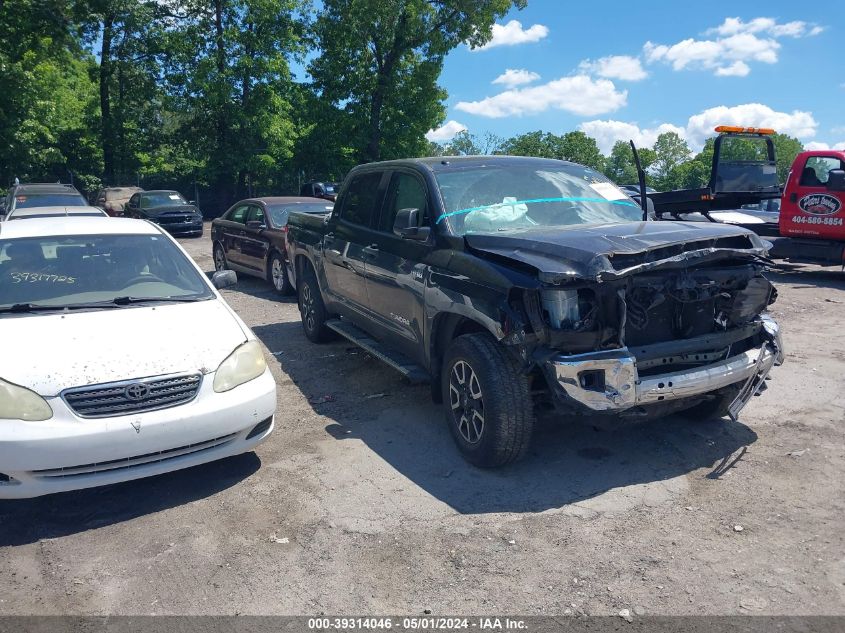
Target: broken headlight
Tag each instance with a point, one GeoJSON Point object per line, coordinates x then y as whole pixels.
{"type": "Point", "coordinates": [568, 309]}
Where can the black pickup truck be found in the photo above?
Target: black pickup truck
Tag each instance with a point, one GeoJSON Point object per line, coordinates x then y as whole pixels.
{"type": "Point", "coordinates": [517, 283]}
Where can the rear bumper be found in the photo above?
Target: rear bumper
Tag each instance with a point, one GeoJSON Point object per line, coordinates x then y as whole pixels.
{"type": "Point", "coordinates": [609, 381]}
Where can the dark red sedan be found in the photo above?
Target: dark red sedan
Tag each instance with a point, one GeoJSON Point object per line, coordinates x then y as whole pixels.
{"type": "Point", "coordinates": [250, 237]}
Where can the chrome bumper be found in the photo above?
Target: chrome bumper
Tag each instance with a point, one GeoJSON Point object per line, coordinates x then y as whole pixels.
{"type": "Point", "coordinates": [609, 381]}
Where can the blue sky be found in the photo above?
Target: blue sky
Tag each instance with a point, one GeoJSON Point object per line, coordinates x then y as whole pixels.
{"type": "Point", "coordinates": [618, 70]}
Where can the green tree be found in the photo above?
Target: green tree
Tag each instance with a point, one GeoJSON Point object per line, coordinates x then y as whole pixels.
{"type": "Point", "coordinates": [47, 101]}
{"type": "Point", "coordinates": [226, 71]}
{"type": "Point", "coordinates": [572, 146]}
{"type": "Point", "coordinates": [671, 151]}
{"type": "Point", "coordinates": [538, 143]}
{"type": "Point", "coordinates": [620, 166]}
{"type": "Point", "coordinates": [580, 148]}
{"type": "Point", "coordinates": [381, 59]}
{"type": "Point", "coordinates": [786, 149]}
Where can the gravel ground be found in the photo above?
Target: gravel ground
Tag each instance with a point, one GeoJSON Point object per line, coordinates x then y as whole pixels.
{"type": "Point", "coordinates": [359, 502]}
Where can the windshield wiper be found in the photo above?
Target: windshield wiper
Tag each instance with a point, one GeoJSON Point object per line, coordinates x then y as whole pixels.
{"type": "Point", "coordinates": [123, 301]}
{"type": "Point", "coordinates": [117, 302]}
{"type": "Point", "coordinates": [30, 307]}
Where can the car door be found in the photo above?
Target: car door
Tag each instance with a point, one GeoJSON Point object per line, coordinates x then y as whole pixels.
{"type": "Point", "coordinates": [395, 272]}
{"type": "Point", "coordinates": [232, 232]}
{"type": "Point", "coordinates": [349, 235]}
{"type": "Point", "coordinates": [254, 242]}
{"type": "Point", "coordinates": [133, 206]}
{"type": "Point", "coordinates": [810, 208]}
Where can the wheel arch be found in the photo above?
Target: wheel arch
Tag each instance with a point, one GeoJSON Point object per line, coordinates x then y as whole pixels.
{"type": "Point", "coordinates": [446, 327]}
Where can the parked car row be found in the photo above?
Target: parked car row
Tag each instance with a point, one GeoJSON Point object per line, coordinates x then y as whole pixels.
{"type": "Point", "coordinates": [164, 207]}
{"type": "Point", "coordinates": [510, 284]}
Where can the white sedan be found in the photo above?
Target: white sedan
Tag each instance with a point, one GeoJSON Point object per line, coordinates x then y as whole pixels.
{"type": "Point", "coordinates": [118, 358]}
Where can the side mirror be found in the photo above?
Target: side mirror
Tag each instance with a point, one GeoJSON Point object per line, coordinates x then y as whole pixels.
{"type": "Point", "coordinates": [224, 278]}
{"type": "Point", "coordinates": [256, 224]}
{"type": "Point", "coordinates": [836, 180]}
{"type": "Point", "coordinates": [406, 225]}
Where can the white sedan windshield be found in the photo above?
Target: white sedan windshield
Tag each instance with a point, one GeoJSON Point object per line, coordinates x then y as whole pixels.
{"type": "Point", "coordinates": [73, 271]}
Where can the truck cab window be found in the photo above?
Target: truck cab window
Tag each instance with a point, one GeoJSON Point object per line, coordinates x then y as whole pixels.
{"type": "Point", "coordinates": [817, 169]}
{"type": "Point", "coordinates": [405, 192]}
{"type": "Point", "coordinates": [359, 202]}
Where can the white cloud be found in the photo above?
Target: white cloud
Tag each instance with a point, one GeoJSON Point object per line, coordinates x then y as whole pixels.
{"type": "Point", "coordinates": [608, 132]}
{"type": "Point", "coordinates": [512, 33]}
{"type": "Point", "coordinates": [795, 123]}
{"type": "Point", "coordinates": [734, 46]}
{"type": "Point", "coordinates": [719, 55]}
{"type": "Point", "coordinates": [700, 126]}
{"type": "Point", "coordinates": [578, 94]}
{"type": "Point", "coordinates": [622, 67]}
{"type": "Point", "coordinates": [770, 26]}
{"type": "Point", "coordinates": [816, 145]}
{"type": "Point", "coordinates": [737, 69]}
{"type": "Point", "coordinates": [445, 132]}
{"type": "Point", "coordinates": [513, 77]}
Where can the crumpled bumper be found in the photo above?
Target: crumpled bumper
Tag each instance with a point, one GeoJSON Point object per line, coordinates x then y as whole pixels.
{"type": "Point", "coordinates": [609, 380]}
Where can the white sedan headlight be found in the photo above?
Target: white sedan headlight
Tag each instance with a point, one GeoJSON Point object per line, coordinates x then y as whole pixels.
{"type": "Point", "coordinates": [244, 364]}
{"type": "Point", "coordinates": [20, 403]}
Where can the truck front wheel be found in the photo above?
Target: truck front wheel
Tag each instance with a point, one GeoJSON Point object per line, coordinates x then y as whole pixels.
{"type": "Point", "coordinates": [311, 308]}
{"type": "Point", "coordinates": [488, 402]}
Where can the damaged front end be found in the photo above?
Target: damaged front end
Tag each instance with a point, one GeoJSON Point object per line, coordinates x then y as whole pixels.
{"type": "Point", "coordinates": [655, 332]}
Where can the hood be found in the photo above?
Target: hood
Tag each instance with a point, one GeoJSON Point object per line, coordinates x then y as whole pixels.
{"type": "Point", "coordinates": [153, 212]}
{"type": "Point", "coordinates": [609, 251]}
{"type": "Point", "coordinates": [50, 352]}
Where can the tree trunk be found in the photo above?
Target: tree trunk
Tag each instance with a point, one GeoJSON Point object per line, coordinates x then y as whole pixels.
{"type": "Point", "coordinates": [107, 137]}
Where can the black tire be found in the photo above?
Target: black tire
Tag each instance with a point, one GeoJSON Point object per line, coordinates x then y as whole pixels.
{"type": "Point", "coordinates": [497, 391]}
{"type": "Point", "coordinates": [716, 407]}
{"type": "Point", "coordinates": [219, 255]}
{"type": "Point", "coordinates": [311, 308]}
{"type": "Point", "coordinates": [277, 275]}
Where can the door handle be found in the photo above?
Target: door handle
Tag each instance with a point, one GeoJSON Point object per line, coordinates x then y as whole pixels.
{"type": "Point", "coordinates": [370, 251]}
{"type": "Point", "coordinates": [793, 197]}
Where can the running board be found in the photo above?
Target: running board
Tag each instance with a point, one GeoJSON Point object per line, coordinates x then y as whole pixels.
{"type": "Point", "coordinates": [414, 373]}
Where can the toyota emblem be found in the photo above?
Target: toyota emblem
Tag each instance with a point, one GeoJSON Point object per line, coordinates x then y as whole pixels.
{"type": "Point", "coordinates": [136, 391]}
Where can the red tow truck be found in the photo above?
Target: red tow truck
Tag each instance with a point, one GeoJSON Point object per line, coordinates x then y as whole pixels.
{"type": "Point", "coordinates": [810, 227]}
{"type": "Point", "coordinates": [812, 210]}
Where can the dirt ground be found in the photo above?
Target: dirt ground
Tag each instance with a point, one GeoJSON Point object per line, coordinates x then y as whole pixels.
{"type": "Point", "coordinates": [382, 516]}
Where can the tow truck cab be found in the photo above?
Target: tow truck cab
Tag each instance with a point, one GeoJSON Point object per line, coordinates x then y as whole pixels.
{"type": "Point", "coordinates": [812, 216]}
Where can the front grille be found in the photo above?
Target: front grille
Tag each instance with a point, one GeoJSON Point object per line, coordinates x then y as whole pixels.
{"type": "Point", "coordinates": [132, 396]}
{"type": "Point", "coordinates": [132, 462]}
{"type": "Point", "coordinates": [179, 218]}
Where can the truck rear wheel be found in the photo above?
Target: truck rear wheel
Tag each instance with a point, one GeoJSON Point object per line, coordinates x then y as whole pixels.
{"type": "Point", "coordinates": [488, 402]}
{"type": "Point", "coordinates": [311, 308]}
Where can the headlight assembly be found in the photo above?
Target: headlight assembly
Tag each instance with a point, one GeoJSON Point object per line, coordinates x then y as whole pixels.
{"type": "Point", "coordinates": [20, 403]}
{"type": "Point", "coordinates": [244, 364]}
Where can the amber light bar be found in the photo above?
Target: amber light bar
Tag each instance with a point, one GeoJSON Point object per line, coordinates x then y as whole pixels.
{"type": "Point", "coordinates": [744, 130]}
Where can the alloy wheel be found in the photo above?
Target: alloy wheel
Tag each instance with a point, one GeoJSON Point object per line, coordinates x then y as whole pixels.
{"type": "Point", "coordinates": [219, 260]}
{"type": "Point", "coordinates": [277, 271]}
{"type": "Point", "coordinates": [466, 401]}
{"type": "Point", "coordinates": [307, 307]}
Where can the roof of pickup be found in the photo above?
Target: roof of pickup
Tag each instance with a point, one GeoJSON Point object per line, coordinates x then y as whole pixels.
{"type": "Point", "coordinates": [443, 163]}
